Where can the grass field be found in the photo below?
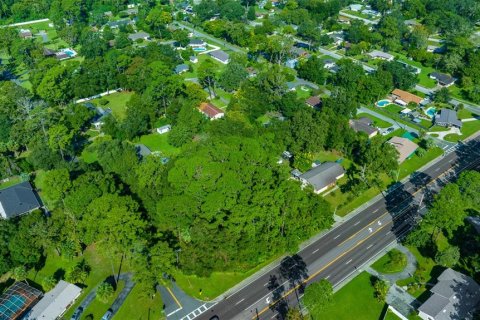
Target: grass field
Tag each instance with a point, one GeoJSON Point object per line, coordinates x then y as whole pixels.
{"type": "Point", "coordinates": [159, 142]}
{"type": "Point", "coordinates": [354, 301]}
{"type": "Point", "coordinates": [466, 114]}
{"type": "Point", "coordinates": [391, 316]}
{"type": "Point", "coordinates": [216, 284]}
{"type": "Point", "coordinates": [467, 130]}
{"type": "Point", "coordinates": [377, 121]}
{"type": "Point", "coordinates": [139, 307]}
{"type": "Point", "coordinates": [117, 102]}
{"type": "Point", "coordinates": [12, 181]}
{"type": "Point", "coordinates": [426, 270]}
{"type": "Point", "coordinates": [393, 108]}
{"type": "Point", "coordinates": [392, 262]}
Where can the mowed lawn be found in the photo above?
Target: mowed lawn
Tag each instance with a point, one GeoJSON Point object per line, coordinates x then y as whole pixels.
{"type": "Point", "coordinates": [467, 130]}
{"type": "Point", "coordinates": [159, 142]}
{"type": "Point", "coordinates": [117, 102]}
{"type": "Point", "coordinates": [354, 301]}
{"type": "Point", "coordinates": [139, 307]}
{"type": "Point", "coordinates": [12, 181]}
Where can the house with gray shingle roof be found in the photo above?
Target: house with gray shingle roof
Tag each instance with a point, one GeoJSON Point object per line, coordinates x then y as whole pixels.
{"type": "Point", "coordinates": [455, 296]}
{"type": "Point", "coordinates": [375, 54]}
{"type": "Point", "coordinates": [322, 176]}
{"type": "Point", "coordinates": [17, 200]}
{"type": "Point", "coordinates": [181, 68]}
{"type": "Point", "coordinates": [448, 118]}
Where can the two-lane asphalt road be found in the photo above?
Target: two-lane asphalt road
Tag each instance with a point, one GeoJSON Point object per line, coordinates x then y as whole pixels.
{"type": "Point", "coordinates": [346, 248]}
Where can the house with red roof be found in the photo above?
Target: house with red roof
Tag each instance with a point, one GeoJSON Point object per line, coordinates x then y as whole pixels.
{"type": "Point", "coordinates": [210, 111]}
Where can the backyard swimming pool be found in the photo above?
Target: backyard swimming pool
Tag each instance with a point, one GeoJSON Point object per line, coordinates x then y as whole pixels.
{"type": "Point", "coordinates": [10, 307]}
{"type": "Point", "coordinates": [69, 52]}
{"type": "Point", "coordinates": [383, 103]}
{"type": "Point", "coordinates": [430, 112]}
{"type": "Point", "coordinates": [199, 49]}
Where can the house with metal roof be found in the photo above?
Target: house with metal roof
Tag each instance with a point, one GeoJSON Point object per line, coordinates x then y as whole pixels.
{"type": "Point", "coordinates": [454, 296]}
{"type": "Point", "coordinates": [442, 79]}
{"type": "Point", "coordinates": [322, 176]}
{"type": "Point", "coordinates": [164, 129]}
{"type": "Point", "coordinates": [448, 118]}
{"type": "Point", "coordinates": [55, 302]}
{"type": "Point", "coordinates": [220, 55]}
{"type": "Point", "coordinates": [197, 43]}
{"type": "Point", "coordinates": [17, 200]}
{"type": "Point", "coordinates": [375, 54]}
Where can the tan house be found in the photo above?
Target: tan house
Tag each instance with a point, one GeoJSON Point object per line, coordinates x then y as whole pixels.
{"type": "Point", "coordinates": [403, 97]}
{"type": "Point", "coordinates": [314, 102]}
{"type": "Point", "coordinates": [404, 146]}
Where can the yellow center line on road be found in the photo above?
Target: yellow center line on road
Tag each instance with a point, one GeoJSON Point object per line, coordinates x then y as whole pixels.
{"type": "Point", "coordinates": [174, 297]}
{"type": "Point", "coordinates": [320, 270]}
{"type": "Point", "coordinates": [352, 236]}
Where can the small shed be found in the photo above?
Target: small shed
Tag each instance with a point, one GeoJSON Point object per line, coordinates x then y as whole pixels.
{"type": "Point", "coordinates": [164, 129]}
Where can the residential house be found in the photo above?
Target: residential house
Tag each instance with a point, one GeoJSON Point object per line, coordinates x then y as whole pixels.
{"type": "Point", "coordinates": [291, 63]}
{"type": "Point", "coordinates": [26, 34]}
{"type": "Point", "coordinates": [337, 37]}
{"type": "Point", "coordinates": [454, 296]}
{"type": "Point", "coordinates": [342, 19]}
{"type": "Point", "coordinates": [322, 176]}
{"type": "Point", "coordinates": [211, 111]}
{"type": "Point", "coordinates": [164, 129]}
{"type": "Point", "coordinates": [405, 147]}
{"type": "Point", "coordinates": [55, 302]}
{"type": "Point", "coordinates": [375, 54]}
{"type": "Point", "coordinates": [130, 11]}
{"type": "Point", "coordinates": [17, 299]}
{"type": "Point", "coordinates": [17, 200]}
{"type": "Point", "coordinates": [329, 63]}
{"type": "Point", "coordinates": [142, 150]}
{"type": "Point", "coordinates": [370, 12]}
{"type": "Point", "coordinates": [181, 68]}
{"type": "Point", "coordinates": [291, 86]}
{"type": "Point", "coordinates": [197, 43]}
{"type": "Point", "coordinates": [435, 49]}
{"type": "Point", "coordinates": [220, 55]}
{"type": "Point", "coordinates": [355, 7]}
{"type": "Point", "coordinates": [442, 79]}
{"type": "Point", "coordinates": [139, 36]}
{"type": "Point", "coordinates": [120, 23]}
{"type": "Point", "coordinates": [314, 102]}
{"type": "Point", "coordinates": [193, 59]}
{"type": "Point", "coordinates": [252, 72]}
{"type": "Point", "coordinates": [448, 118]}
{"type": "Point", "coordinates": [48, 52]}
{"type": "Point", "coordinates": [403, 98]}
{"type": "Point", "coordinates": [297, 52]}
{"type": "Point", "coordinates": [364, 125]}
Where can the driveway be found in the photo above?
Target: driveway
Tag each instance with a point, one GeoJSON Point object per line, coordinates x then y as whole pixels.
{"type": "Point", "coordinates": [129, 284]}
{"type": "Point", "coordinates": [351, 16]}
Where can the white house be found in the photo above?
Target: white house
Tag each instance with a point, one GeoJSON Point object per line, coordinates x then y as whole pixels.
{"type": "Point", "coordinates": [164, 129]}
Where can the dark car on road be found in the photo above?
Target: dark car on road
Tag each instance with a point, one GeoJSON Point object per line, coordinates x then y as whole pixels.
{"type": "Point", "coordinates": [108, 315]}
{"type": "Point", "coordinates": [76, 315]}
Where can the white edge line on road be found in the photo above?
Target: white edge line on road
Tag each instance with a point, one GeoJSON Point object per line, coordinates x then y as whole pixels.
{"type": "Point", "coordinates": [175, 311]}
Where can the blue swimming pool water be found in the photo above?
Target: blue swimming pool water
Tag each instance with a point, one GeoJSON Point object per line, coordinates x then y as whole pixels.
{"type": "Point", "coordinates": [70, 53]}
{"type": "Point", "coordinates": [431, 112]}
{"type": "Point", "coordinates": [383, 103]}
{"type": "Point", "coordinates": [199, 49]}
{"type": "Point", "coordinates": [10, 307]}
